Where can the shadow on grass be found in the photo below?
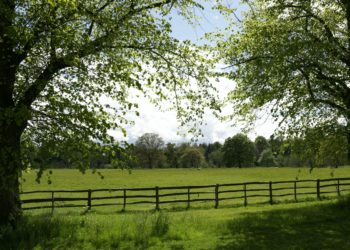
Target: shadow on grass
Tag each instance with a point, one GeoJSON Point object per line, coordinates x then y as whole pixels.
{"type": "Point", "coordinates": [325, 226]}
{"type": "Point", "coordinates": [321, 226]}
{"type": "Point", "coordinates": [54, 232]}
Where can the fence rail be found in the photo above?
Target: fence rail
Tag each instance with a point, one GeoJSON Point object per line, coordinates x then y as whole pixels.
{"type": "Point", "coordinates": [188, 194]}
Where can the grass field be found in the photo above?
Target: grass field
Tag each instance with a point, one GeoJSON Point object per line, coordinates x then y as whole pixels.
{"type": "Point", "coordinates": [303, 225]}
{"type": "Point", "coordinates": [114, 178]}
{"type": "Point", "coordinates": [73, 179]}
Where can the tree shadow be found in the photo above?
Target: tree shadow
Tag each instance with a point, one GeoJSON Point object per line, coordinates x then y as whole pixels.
{"type": "Point", "coordinates": [324, 226]}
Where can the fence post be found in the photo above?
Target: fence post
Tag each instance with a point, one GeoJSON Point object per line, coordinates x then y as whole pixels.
{"type": "Point", "coordinates": [157, 197]}
{"type": "Point", "coordinates": [124, 199]}
{"type": "Point", "coordinates": [52, 201]}
{"type": "Point", "coordinates": [217, 196]}
{"type": "Point", "coordinates": [188, 197]}
{"type": "Point", "coordinates": [338, 187]}
{"type": "Point", "coordinates": [89, 199]}
{"type": "Point", "coordinates": [270, 189]}
{"type": "Point", "coordinates": [318, 189]}
{"type": "Point", "coordinates": [295, 190]}
{"type": "Point", "coordinates": [245, 194]}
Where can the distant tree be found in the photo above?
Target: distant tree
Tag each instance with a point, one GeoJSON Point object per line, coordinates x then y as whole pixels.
{"type": "Point", "coordinates": [182, 147]}
{"type": "Point", "coordinates": [267, 159]}
{"type": "Point", "coordinates": [332, 151]}
{"type": "Point", "coordinates": [172, 154]}
{"type": "Point", "coordinates": [306, 148]}
{"type": "Point", "coordinates": [149, 149]}
{"type": "Point", "coordinates": [216, 158]}
{"type": "Point", "coordinates": [261, 144]}
{"type": "Point", "coordinates": [211, 147]}
{"type": "Point", "coordinates": [204, 146]}
{"type": "Point", "coordinates": [239, 151]}
{"type": "Point", "coordinates": [192, 157]}
{"type": "Point", "coordinates": [276, 143]}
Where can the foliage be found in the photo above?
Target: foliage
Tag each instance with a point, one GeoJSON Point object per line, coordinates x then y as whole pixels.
{"type": "Point", "coordinates": [317, 148]}
{"type": "Point", "coordinates": [267, 159]}
{"type": "Point", "coordinates": [291, 58]}
{"type": "Point", "coordinates": [149, 149]}
{"type": "Point", "coordinates": [239, 151]}
{"type": "Point", "coordinates": [209, 148]}
{"type": "Point", "coordinates": [216, 158]}
{"type": "Point", "coordinates": [172, 155]}
{"type": "Point", "coordinates": [261, 144]}
{"type": "Point", "coordinates": [332, 151]}
{"type": "Point", "coordinates": [70, 72]}
{"type": "Point", "coordinates": [192, 158]}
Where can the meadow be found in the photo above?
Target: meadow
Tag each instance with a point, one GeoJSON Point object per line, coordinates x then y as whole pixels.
{"type": "Point", "coordinates": [117, 178]}
{"type": "Point", "coordinates": [65, 179]}
{"type": "Point", "coordinates": [307, 224]}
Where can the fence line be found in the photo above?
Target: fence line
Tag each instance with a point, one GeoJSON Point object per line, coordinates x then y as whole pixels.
{"type": "Point", "coordinates": [212, 193]}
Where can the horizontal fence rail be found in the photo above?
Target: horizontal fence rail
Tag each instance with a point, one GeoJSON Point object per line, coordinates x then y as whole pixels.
{"type": "Point", "coordinates": [157, 196]}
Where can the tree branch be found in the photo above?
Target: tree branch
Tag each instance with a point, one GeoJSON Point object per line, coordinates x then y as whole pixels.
{"type": "Point", "coordinates": [34, 90]}
{"type": "Point", "coordinates": [328, 31]}
{"type": "Point", "coordinates": [94, 46]}
{"type": "Point", "coordinates": [315, 99]}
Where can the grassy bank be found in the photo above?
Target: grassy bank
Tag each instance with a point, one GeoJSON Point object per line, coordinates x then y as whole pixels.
{"type": "Point", "coordinates": [312, 225]}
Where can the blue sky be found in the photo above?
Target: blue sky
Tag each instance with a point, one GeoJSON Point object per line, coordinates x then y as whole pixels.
{"type": "Point", "coordinates": [210, 21]}
{"type": "Point", "coordinates": [151, 120]}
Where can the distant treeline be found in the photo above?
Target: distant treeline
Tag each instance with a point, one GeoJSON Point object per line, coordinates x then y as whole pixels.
{"type": "Point", "coordinates": [150, 151]}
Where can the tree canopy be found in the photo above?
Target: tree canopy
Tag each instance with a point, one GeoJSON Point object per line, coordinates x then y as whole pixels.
{"type": "Point", "coordinates": [148, 147]}
{"type": "Point", "coordinates": [239, 151]}
{"type": "Point", "coordinates": [67, 68]}
{"type": "Point", "coordinates": [192, 157]}
{"type": "Point", "coordinates": [293, 59]}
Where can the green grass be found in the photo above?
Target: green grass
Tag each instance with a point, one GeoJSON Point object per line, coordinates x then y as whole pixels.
{"type": "Point", "coordinates": [312, 225]}
{"type": "Point", "coordinates": [113, 178]}
{"type": "Point", "coordinates": [73, 179]}
{"type": "Point", "coordinates": [303, 225]}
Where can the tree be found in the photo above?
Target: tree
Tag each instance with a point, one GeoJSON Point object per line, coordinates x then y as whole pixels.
{"type": "Point", "coordinates": [172, 155]}
{"type": "Point", "coordinates": [209, 148]}
{"type": "Point", "coordinates": [239, 151]}
{"type": "Point", "coordinates": [261, 144]}
{"type": "Point", "coordinates": [63, 62]}
{"type": "Point", "coordinates": [292, 57]}
{"type": "Point", "coordinates": [266, 159]}
{"type": "Point", "coordinates": [149, 149]}
{"type": "Point", "coordinates": [216, 158]}
{"type": "Point", "coordinates": [332, 151]}
{"type": "Point", "coordinates": [192, 157]}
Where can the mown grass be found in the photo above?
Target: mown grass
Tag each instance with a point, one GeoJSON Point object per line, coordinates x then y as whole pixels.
{"type": "Point", "coordinates": [303, 225]}
{"type": "Point", "coordinates": [73, 179]}
{"type": "Point", "coordinates": [116, 178]}
{"type": "Point", "coordinates": [312, 225]}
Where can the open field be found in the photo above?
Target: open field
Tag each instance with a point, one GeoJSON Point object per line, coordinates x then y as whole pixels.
{"type": "Point", "coordinates": [303, 225]}
{"type": "Point", "coordinates": [177, 198]}
{"type": "Point", "coordinates": [115, 178]}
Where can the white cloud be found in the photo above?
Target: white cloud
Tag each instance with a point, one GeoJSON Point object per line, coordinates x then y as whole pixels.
{"type": "Point", "coordinates": [152, 120]}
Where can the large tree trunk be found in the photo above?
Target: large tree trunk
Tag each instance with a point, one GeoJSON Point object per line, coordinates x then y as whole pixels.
{"type": "Point", "coordinates": [10, 169]}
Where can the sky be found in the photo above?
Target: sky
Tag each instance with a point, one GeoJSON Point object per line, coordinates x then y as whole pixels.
{"type": "Point", "coordinates": [152, 120]}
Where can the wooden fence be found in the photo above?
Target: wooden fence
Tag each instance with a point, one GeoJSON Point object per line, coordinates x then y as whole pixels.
{"type": "Point", "coordinates": [241, 193]}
